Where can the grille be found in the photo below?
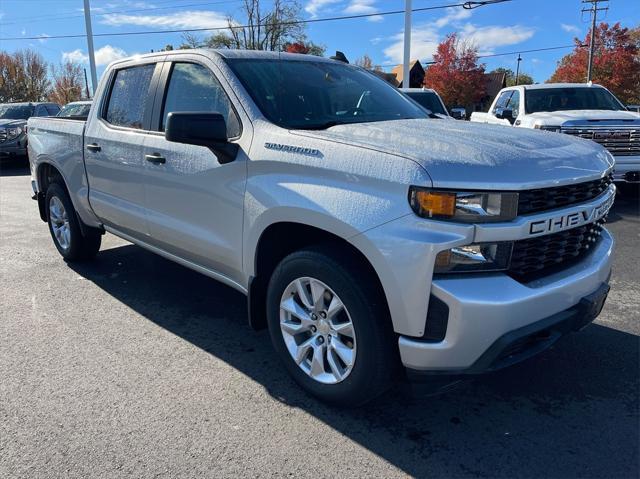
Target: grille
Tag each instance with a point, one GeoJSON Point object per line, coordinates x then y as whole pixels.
{"type": "Point", "coordinates": [544, 199]}
{"type": "Point", "coordinates": [620, 142]}
{"type": "Point", "coordinates": [3, 135]}
{"type": "Point", "coordinates": [536, 257]}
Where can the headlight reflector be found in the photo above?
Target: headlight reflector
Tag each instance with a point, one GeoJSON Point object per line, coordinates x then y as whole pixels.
{"type": "Point", "coordinates": [14, 132]}
{"type": "Point", "coordinates": [475, 258]}
{"type": "Point", "coordinates": [466, 207]}
{"type": "Point", "coordinates": [557, 129]}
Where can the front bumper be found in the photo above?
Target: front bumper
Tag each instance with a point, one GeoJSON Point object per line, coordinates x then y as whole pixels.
{"type": "Point", "coordinates": [486, 309]}
{"type": "Point", "coordinates": [627, 169]}
{"type": "Point", "coordinates": [13, 149]}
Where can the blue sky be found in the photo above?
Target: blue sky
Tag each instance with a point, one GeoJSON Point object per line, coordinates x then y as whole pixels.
{"type": "Point", "coordinates": [507, 27]}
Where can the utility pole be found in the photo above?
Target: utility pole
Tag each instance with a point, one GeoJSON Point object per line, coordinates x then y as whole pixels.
{"type": "Point", "coordinates": [86, 84]}
{"type": "Point", "coordinates": [92, 58]}
{"type": "Point", "coordinates": [406, 74]}
{"type": "Point", "coordinates": [593, 9]}
{"type": "Point", "coordinates": [518, 69]}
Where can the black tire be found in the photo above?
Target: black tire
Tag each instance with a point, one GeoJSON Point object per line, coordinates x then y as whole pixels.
{"type": "Point", "coordinates": [80, 247]}
{"type": "Point", "coordinates": [376, 359]}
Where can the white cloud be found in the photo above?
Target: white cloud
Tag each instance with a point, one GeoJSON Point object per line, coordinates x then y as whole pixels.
{"type": "Point", "coordinates": [364, 7]}
{"type": "Point", "coordinates": [188, 19]}
{"type": "Point", "coordinates": [42, 37]}
{"type": "Point", "coordinates": [104, 55]}
{"type": "Point", "coordinates": [489, 37]}
{"type": "Point", "coordinates": [75, 56]}
{"type": "Point", "coordinates": [452, 15]}
{"type": "Point", "coordinates": [426, 37]}
{"type": "Point", "coordinates": [315, 6]}
{"type": "Point", "coordinates": [569, 28]}
{"type": "Point", "coordinates": [424, 42]}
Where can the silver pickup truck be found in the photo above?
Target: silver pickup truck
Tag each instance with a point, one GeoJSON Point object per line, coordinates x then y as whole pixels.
{"type": "Point", "coordinates": [369, 238]}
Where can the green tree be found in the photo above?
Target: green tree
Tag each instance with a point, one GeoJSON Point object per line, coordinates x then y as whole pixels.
{"type": "Point", "coordinates": [523, 78]}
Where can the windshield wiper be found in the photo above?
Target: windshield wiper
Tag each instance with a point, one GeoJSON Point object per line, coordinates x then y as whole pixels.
{"type": "Point", "coordinates": [318, 126]}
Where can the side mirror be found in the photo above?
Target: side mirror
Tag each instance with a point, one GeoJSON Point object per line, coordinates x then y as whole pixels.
{"type": "Point", "coordinates": [458, 113]}
{"type": "Point", "coordinates": [505, 114]}
{"type": "Point", "coordinates": [202, 129]}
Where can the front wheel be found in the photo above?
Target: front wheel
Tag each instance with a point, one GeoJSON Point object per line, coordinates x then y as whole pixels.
{"type": "Point", "coordinates": [65, 229]}
{"type": "Point", "coordinates": [330, 328]}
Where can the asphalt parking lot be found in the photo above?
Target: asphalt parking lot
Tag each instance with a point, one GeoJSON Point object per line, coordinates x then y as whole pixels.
{"type": "Point", "coordinates": [134, 366]}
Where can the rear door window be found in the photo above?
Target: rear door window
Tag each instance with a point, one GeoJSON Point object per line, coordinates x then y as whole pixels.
{"type": "Point", "coordinates": [129, 96]}
{"type": "Point", "coordinates": [193, 87]}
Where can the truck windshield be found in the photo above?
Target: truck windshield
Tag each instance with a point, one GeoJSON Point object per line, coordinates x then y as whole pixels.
{"type": "Point", "coordinates": [582, 98]}
{"type": "Point", "coordinates": [429, 100]}
{"type": "Point", "coordinates": [16, 112]}
{"type": "Point", "coordinates": [320, 94]}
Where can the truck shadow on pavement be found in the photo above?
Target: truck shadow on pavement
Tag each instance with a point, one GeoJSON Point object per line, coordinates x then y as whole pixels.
{"type": "Point", "coordinates": [14, 167]}
{"type": "Point", "coordinates": [567, 413]}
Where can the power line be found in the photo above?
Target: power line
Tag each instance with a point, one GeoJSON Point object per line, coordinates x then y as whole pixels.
{"type": "Point", "coordinates": [468, 5]}
{"type": "Point", "coordinates": [517, 52]}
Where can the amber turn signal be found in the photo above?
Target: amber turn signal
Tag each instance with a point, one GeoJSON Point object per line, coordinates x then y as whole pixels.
{"type": "Point", "coordinates": [433, 204]}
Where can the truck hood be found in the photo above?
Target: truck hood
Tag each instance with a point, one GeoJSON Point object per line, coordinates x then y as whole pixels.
{"type": "Point", "coordinates": [460, 154]}
{"type": "Point", "coordinates": [591, 117]}
{"type": "Point", "coordinates": [5, 122]}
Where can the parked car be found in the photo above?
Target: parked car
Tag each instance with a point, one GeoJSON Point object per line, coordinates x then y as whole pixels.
{"type": "Point", "coordinates": [13, 122]}
{"type": "Point", "coordinates": [428, 99]}
{"type": "Point", "coordinates": [79, 109]}
{"type": "Point", "coordinates": [583, 110]}
{"type": "Point", "coordinates": [365, 235]}
{"type": "Point", "coordinates": [634, 108]}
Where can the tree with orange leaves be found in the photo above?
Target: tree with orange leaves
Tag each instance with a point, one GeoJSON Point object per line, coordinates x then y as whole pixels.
{"type": "Point", "coordinates": [616, 62]}
{"type": "Point", "coordinates": [456, 74]}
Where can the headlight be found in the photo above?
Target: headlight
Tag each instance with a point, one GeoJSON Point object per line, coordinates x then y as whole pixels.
{"type": "Point", "coordinates": [14, 132]}
{"type": "Point", "coordinates": [466, 207]}
{"type": "Point", "coordinates": [480, 257]}
{"type": "Point", "coordinates": [548, 128]}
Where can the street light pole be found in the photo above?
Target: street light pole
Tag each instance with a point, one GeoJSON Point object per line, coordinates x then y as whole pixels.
{"type": "Point", "coordinates": [92, 58]}
{"type": "Point", "coordinates": [518, 69]}
{"type": "Point", "coordinates": [406, 73]}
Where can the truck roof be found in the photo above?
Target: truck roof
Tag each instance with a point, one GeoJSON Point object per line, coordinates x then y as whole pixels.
{"type": "Point", "coordinates": [248, 54]}
{"type": "Point", "coordinates": [544, 86]}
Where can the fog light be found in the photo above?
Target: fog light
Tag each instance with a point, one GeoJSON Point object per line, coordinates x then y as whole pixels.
{"type": "Point", "coordinates": [473, 258]}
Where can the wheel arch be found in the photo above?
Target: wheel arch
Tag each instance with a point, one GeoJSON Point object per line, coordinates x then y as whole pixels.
{"type": "Point", "coordinates": [47, 173]}
{"type": "Point", "coordinates": [283, 238]}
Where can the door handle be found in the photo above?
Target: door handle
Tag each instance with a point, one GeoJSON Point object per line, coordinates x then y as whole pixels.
{"type": "Point", "coordinates": [156, 159]}
{"type": "Point", "coordinates": [94, 147]}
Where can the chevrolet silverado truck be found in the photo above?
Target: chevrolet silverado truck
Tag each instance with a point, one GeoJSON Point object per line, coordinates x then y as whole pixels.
{"type": "Point", "coordinates": [372, 241]}
{"type": "Point", "coordinates": [584, 110]}
{"type": "Point", "coordinates": [13, 122]}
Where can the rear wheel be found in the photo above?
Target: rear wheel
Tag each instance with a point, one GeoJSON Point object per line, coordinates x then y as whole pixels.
{"type": "Point", "coordinates": [64, 227]}
{"type": "Point", "coordinates": [330, 328]}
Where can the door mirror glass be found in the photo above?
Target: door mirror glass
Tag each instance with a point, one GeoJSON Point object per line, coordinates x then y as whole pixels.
{"type": "Point", "coordinates": [196, 128]}
{"type": "Point", "coordinates": [458, 113]}
{"type": "Point", "coordinates": [504, 114]}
